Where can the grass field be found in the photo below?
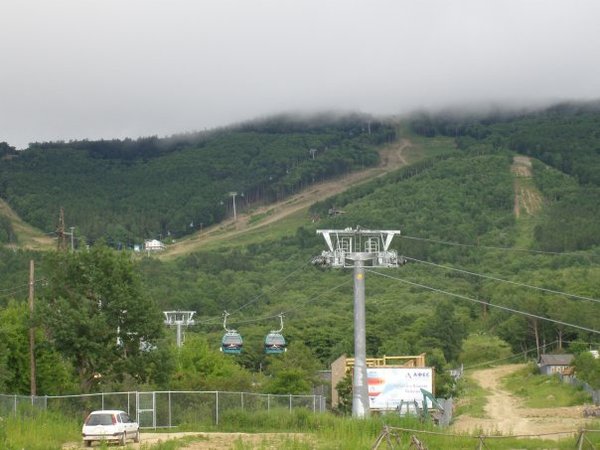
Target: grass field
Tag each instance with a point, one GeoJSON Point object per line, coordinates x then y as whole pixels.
{"type": "Point", "coordinates": [472, 398]}
{"type": "Point", "coordinates": [541, 391]}
{"type": "Point", "coordinates": [45, 431]}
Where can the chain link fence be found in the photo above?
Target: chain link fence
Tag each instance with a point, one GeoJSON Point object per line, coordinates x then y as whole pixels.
{"type": "Point", "coordinates": [164, 409]}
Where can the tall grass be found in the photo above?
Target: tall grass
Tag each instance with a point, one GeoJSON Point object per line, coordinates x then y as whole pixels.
{"type": "Point", "coordinates": [37, 430]}
{"type": "Point", "coordinates": [326, 431]}
{"type": "Point", "coordinates": [543, 391]}
{"type": "Point", "coordinates": [472, 398]}
{"type": "Point", "coordinates": [298, 430]}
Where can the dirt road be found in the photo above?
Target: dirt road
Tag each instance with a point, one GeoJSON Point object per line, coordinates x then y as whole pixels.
{"type": "Point", "coordinates": [506, 415]}
{"type": "Point", "coordinates": [392, 157]}
{"type": "Point", "coordinates": [207, 441]}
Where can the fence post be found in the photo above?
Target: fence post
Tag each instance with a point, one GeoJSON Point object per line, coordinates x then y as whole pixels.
{"type": "Point", "coordinates": [268, 402]}
{"type": "Point", "coordinates": [216, 407]}
{"type": "Point", "coordinates": [15, 403]}
{"type": "Point", "coordinates": [102, 397]}
{"type": "Point", "coordinates": [580, 440]}
{"type": "Point", "coordinates": [314, 403]}
{"type": "Point", "coordinates": [290, 402]}
{"type": "Point", "coordinates": [154, 409]}
{"type": "Point", "coordinates": [242, 400]}
{"type": "Point", "coordinates": [169, 400]}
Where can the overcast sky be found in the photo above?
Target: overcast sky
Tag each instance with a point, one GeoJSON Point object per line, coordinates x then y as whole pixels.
{"type": "Point", "coordinates": [74, 69]}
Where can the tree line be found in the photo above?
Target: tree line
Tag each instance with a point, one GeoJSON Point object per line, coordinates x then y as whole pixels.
{"type": "Point", "coordinates": [125, 191]}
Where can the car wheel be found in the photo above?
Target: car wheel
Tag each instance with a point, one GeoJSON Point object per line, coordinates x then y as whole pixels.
{"type": "Point", "coordinates": [88, 443]}
{"type": "Point", "coordinates": [123, 438]}
{"type": "Point", "coordinates": [136, 438]}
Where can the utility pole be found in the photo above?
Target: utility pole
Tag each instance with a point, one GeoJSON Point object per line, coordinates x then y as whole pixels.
{"type": "Point", "coordinates": [62, 234]}
{"type": "Point", "coordinates": [60, 231]}
{"type": "Point", "coordinates": [233, 194]}
{"type": "Point", "coordinates": [72, 233]}
{"type": "Point", "coordinates": [357, 249]}
{"type": "Point", "coordinates": [179, 319]}
{"type": "Point", "coordinates": [32, 383]}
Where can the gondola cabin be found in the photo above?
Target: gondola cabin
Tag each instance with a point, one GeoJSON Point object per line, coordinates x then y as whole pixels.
{"type": "Point", "coordinates": [232, 343]}
{"type": "Point", "coordinates": [275, 344]}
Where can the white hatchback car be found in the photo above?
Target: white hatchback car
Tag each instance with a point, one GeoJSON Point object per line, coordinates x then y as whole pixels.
{"type": "Point", "coordinates": [110, 425]}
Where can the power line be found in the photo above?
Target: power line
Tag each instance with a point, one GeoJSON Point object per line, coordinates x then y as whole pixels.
{"type": "Point", "coordinates": [493, 361]}
{"type": "Point", "coordinates": [491, 305]}
{"type": "Point", "coordinates": [16, 289]}
{"type": "Point", "coordinates": [258, 297]}
{"type": "Point", "coordinates": [288, 312]}
{"type": "Point", "coordinates": [516, 283]}
{"type": "Point", "coordinates": [491, 247]}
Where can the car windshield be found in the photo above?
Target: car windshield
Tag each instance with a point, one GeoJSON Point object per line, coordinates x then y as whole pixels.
{"type": "Point", "coordinates": [100, 419]}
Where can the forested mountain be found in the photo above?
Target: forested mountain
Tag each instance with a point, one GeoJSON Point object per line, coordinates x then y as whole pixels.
{"type": "Point", "coordinates": [481, 281]}
{"type": "Point", "coordinates": [126, 191]}
{"type": "Point", "coordinates": [565, 137]}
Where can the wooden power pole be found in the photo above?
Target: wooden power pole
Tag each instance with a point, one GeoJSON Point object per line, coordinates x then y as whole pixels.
{"type": "Point", "coordinates": [31, 328]}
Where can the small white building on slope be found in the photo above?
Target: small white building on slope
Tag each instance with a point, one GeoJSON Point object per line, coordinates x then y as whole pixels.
{"type": "Point", "coordinates": [153, 245]}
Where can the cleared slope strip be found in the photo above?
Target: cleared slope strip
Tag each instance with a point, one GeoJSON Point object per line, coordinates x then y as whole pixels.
{"type": "Point", "coordinates": [392, 157]}
{"type": "Point", "coordinates": [28, 237]}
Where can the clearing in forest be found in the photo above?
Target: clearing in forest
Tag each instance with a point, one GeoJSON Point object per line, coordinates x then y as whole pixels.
{"type": "Point", "coordinates": [27, 236]}
{"type": "Point", "coordinates": [528, 199]}
{"type": "Point", "coordinates": [392, 157]}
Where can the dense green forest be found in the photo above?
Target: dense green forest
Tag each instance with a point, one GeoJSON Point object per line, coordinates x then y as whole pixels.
{"type": "Point", "coordinates": [565, 137]}
{"type": "Point", "coordinates": [126, 191]}
{"type": "Point", "coordinates": [479, 283]}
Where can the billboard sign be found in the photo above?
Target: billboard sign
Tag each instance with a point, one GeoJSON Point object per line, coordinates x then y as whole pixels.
{"type": "Point", "coordinates": [389, 386]}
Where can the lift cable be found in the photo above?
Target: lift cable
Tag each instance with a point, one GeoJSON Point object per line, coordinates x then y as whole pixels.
{"type": "Point", "coordinates": [285, 313]}
{"type": "Point", "coordinates": [215, 320]}
{"type": "Point", "coordinates": [516, 283]}
{"type": "Point", "coordinates": [508, 358]}
{"type": "Point", "coordinates": [491, 247]}
{"type": "Point", "coordinates": [258, 297]}
{"type": "Point", "coordinates": [491, 305]}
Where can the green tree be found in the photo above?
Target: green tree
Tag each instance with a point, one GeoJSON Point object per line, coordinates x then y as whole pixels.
{"type": "Point", "coordinates": [448, 329]}
{"type": "Point", "coordinates": [293, 372]}
{"type": "Point", "coordinates": [587, 368]}
{"type": "Point", "coordinates": [199, 367]}
{"type": "Point", "coordinates": [479, 348]}
{"type": "Point", "coordinates": [345, 392]}
{"type": "Point", "coordinates": [96, 316]}
{"type": "Point", "coordinates": [54, 375]}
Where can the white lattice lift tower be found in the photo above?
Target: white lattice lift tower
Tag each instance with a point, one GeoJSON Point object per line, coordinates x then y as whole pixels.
{"type": "Point", "coordinates": [179, 319]}
{"type": "Point", "coordinates": [233, 195]}
{"type": "Point", "coordinates": [358, 248]}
